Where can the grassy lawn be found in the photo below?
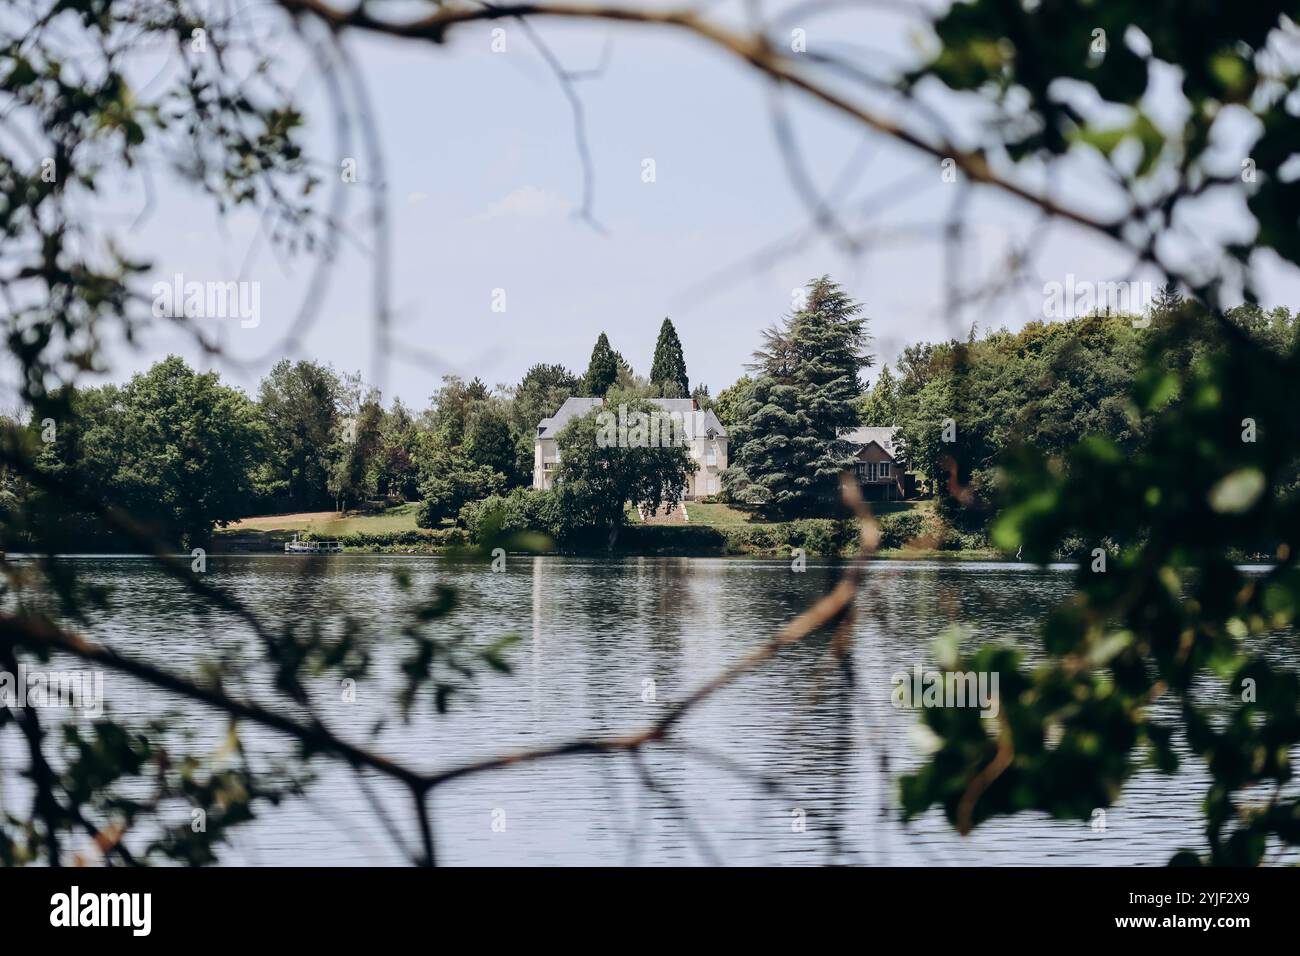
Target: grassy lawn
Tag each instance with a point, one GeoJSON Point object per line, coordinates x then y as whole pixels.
{"type": "Point", "coordinates": [894, 507]}
{"type": "Point", "coordinates": [397, 518]}
{"type": "Point", "coordinates": [721, 516]}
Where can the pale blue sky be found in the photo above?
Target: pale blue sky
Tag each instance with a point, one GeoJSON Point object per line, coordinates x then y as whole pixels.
{"type": "Point", "coordinates": [483, 177]}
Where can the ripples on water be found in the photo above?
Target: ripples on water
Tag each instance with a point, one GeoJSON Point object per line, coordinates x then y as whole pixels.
{"type": "Point", "coordinates": [594, 634]}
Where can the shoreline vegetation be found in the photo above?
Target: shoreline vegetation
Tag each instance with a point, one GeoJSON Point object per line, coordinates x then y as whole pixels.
{"type": "Point", "coordinates": [715, 531]}
{"type": "Point", "coordinates": [712, 530]}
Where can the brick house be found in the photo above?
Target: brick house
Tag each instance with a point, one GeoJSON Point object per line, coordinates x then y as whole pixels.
{"type": "Point", "coordinates": [879, 465]}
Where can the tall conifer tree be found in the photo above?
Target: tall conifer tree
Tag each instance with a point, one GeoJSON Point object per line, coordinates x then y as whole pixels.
{"type": "Point", "coordinates": [668, 371]}
{"type": "Point", "coordinates": [787, 447]}
{"type": "Point", "coordinates": [602, 370]}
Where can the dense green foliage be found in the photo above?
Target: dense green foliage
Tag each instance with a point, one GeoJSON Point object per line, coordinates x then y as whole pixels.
{"type": "Point", "coordinates": [1047, 387]}
{"type": "Point", "coordinates": [175, 448]}
{"type": "Point", "coordinates": [393, 471]}
{"type": "Point", "coordinates": [881, 404]}
{"type": "Point", "coordinates": [730, 399]}
{"type": "Point", "coordinates": [184, 454]}
{"type": "Point", "coordinates": [301, 404]}
{"type": "Point", "coordinates": [451, 481]}
{"type": "Point", "coordinates": [539, 395]}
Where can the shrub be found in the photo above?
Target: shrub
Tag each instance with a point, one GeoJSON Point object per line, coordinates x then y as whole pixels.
{"type": "Point", "coordinates": [820, 535]}
{"type": "Point", "coordinates": [742, 540]}
{"type": "Point", "coordinates": [817, 535]}
{"type": "Point", "coordinates": [523, 511]}
{"type": "Point", "coordinates": [955, 539]}
{"type": "Point", "coordinates": [429, 537]}
{"type": "Point", "coordinates": [896, 530]}
{"type": "Point", "coordinates": [444, 495]}
{"type": "Point", "coordinates": [674, 538]}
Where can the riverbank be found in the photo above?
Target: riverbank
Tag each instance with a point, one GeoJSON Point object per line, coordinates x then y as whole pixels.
{"type": "Point", "coordinates": [909, 530]}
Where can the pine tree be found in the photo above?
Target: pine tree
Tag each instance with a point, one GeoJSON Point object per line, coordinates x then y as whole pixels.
{"type": "Point", "coordinates": [881, 406]}
{"type": "Point", "coordinates": [602, 370]}
{"type": "Point", "coordinates": [829, 342]}
{"type": "Point", "coordinates": [1168, 299]}
{"type": "Point", "coordinates": [788, 450]}
{"type": "Point", "coordinates": [668, 371]}
{"type": "Point", "coordinates": [762, 455]}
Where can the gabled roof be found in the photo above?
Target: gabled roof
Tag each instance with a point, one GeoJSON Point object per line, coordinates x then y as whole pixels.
{"type": "Point", "coordinates": [572, 408]}
{"type": "Point", "coordinates": [577, 407]}
{"type": "Point", "coordinates": [884, 436]}
{"type": "Point", "coordinates": [691, 416]}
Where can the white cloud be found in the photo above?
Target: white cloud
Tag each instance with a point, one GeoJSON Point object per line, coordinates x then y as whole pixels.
{"type": "Point", "coordinates": [527, 202]}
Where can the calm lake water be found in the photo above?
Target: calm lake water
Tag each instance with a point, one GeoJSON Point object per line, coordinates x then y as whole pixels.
{"type": "Point", "coordinates": [594, 634]}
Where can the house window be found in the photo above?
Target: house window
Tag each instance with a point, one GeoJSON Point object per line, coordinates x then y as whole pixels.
{"type": "Point", "coordinates": [884, 469]}
{"type": "Point", "coordinates": [711, 456]}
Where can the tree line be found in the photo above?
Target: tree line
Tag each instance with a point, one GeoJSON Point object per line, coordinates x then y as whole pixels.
{"type": "Point", "coordinates": [184, 453]}
{"type": "Point", "coordinates": [968, 410]}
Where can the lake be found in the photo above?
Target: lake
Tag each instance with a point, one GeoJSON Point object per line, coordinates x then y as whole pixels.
{"type": "Point", "coordinates": [605, 646]}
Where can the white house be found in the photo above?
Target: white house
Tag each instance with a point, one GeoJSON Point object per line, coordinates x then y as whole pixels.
{"type": "Point", "coordinates": [700, 431]}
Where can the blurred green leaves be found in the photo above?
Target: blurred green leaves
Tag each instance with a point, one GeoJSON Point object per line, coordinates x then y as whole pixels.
{"type": "Point", "coordinates": [1171, 618]}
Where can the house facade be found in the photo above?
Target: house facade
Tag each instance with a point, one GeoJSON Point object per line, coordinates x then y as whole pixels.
{"type": "Point", "coordinates": [878, 463]}
{"type": "Point", "coordinates": [700, 431]}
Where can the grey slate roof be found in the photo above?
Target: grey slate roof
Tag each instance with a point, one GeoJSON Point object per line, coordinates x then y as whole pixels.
{"type": "Point", "coordinates": [685, 407]}
{"type": "Point", "coordinates": [882, 435]}
{"type": "Point", "coordinates": [572, 407]}
{"type": "Point", "coordinates": [577, 407]}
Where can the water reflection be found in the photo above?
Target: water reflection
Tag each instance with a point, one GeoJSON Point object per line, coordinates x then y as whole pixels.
{"type": "Point", "coordinates": [791, 764]}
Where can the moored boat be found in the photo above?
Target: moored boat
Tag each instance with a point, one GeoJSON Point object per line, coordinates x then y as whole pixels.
{"type": "Point", "coordinates": [299, 546]}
